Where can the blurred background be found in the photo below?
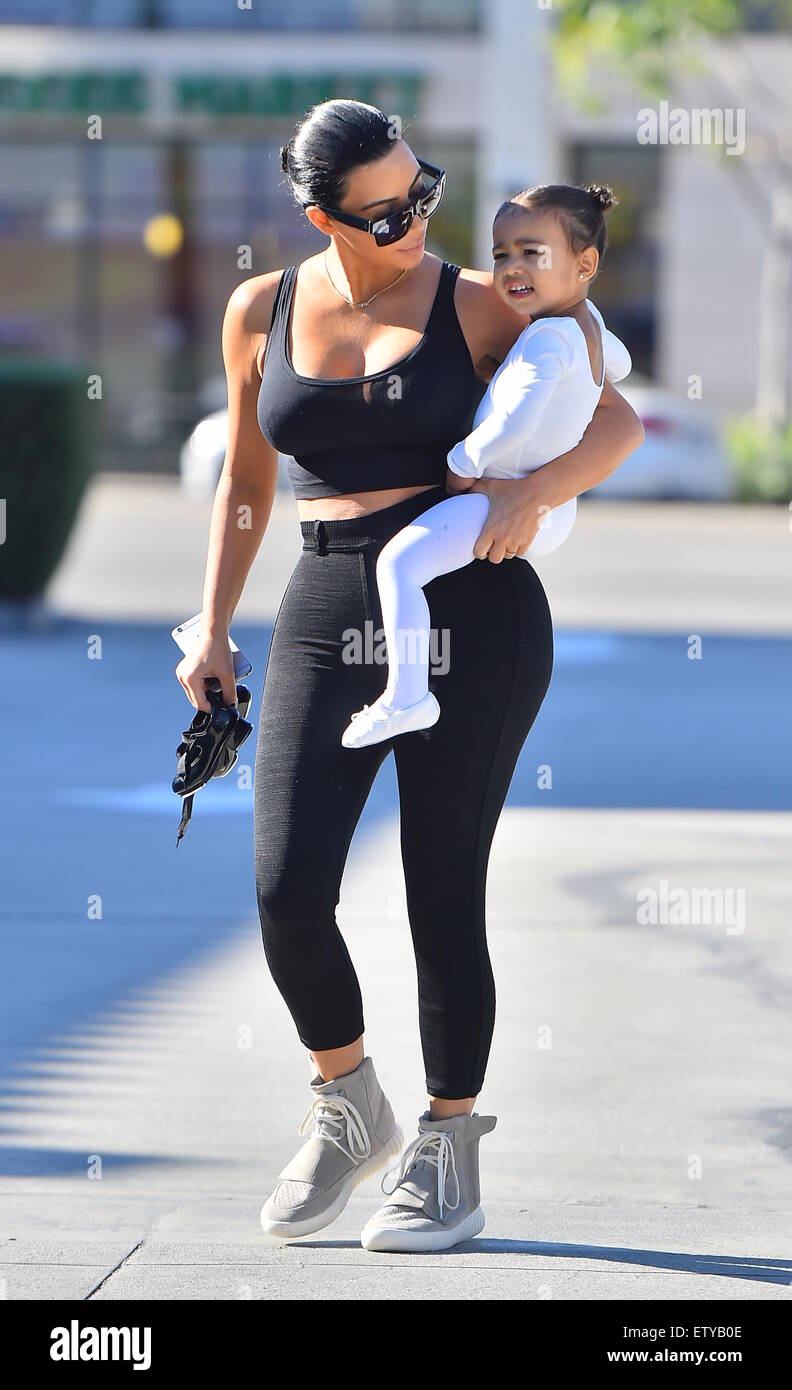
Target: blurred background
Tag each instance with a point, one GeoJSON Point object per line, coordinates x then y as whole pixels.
{"type": "Point", "coordinates": [139, 160]}
{"type": "Point", "coordinates": [139, 183]}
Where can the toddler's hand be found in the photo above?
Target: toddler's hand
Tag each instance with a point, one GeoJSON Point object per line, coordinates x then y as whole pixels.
{"type": "Point", "coordinates": [454, 483]}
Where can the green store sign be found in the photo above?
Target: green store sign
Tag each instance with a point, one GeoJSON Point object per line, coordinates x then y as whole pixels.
{"type": "Point", "coordinates": [127, 93]}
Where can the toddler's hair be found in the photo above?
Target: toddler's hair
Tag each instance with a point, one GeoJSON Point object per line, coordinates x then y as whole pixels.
{"type": "Point", "coordinates": [581, 210]}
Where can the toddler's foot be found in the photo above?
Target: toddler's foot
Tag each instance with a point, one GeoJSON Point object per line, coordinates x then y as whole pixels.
{"type": "Point", "coordinates": [379, 721]}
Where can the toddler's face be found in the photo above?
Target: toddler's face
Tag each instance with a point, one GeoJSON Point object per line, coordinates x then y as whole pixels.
{"type": "Point", "coordinates": [535, 270]}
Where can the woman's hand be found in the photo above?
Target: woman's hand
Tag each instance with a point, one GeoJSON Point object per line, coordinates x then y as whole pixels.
{"type": "Point", "coordinates": [209, 656]}
{"type": "Point", "coordinates": [518, 505]}
{"type": "Point", "coordinates": [515, 513]}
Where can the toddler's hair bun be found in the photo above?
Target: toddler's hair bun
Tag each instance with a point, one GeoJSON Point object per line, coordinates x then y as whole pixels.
{"type": "Point", "coordinates": [284, 157]}
{"type": "Point", "coordinates": [603, 196]}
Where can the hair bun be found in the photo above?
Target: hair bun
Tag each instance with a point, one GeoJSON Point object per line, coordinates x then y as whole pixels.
{"type": "Point", "coordinates": [284, 157]}
{"type": "Point", "coordinates": [603, 196]}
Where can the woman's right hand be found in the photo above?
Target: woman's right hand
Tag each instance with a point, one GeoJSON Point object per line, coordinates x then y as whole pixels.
{"type": "Point", "coordinates": [208, 657]}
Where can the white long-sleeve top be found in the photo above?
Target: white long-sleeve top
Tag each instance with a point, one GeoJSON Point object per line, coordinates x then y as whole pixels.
{"type": "Point", "coordinates": [539, 401]}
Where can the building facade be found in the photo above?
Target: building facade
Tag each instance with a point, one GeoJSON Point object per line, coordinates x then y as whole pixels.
{"type": "Point", "coordinates": [115, 113]}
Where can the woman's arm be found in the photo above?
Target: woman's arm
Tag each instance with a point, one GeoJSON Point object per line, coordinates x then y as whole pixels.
{"type": "Point", "coordinates": [517, 505]}
{"type": "Point", "coordinates": [244, 496]}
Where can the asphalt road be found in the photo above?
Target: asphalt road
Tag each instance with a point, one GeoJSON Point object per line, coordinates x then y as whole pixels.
{"type": "Point", "coordinates": [645, 1152]}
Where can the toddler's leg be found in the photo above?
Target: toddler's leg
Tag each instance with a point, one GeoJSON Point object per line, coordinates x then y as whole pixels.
{"type": "Point", "coordinates": [438, 541]}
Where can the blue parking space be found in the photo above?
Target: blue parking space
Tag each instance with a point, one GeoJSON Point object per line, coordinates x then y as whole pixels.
{"type": "Point", "coordinates": [87, 811]}
{"type": "Point", "coordinates": [631, 720]}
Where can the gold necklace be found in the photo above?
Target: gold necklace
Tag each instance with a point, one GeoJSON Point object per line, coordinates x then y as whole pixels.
{"type": "Point", "coordinates": [363, 303]}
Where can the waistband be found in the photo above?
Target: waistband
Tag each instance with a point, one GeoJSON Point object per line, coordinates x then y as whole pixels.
{"type": "Point", "coordinates": [354, 533]}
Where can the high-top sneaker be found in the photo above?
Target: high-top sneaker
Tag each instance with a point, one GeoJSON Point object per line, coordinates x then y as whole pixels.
{"type": "Point", "coordinates": [436, 1201]}
{"type": "Point", "coordinates": [354, 1135]}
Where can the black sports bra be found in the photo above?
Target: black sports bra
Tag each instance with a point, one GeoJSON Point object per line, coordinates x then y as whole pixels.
{"type": "Point", "coordinates": [390, 429]}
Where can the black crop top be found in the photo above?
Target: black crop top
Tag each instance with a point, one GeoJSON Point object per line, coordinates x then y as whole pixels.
{"type": "Point", "coordinates": [392, 428]}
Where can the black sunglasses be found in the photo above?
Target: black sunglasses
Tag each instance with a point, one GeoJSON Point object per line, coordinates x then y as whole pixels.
{"type": "Point", "coordinates": [396, 225]}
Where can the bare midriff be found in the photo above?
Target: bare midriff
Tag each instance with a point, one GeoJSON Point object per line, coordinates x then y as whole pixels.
{"type": "Point", "coordinates": [354, 504]}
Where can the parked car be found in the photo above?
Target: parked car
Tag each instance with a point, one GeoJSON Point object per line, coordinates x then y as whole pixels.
{"type": "Point", "coordinates": [202, 454]}
{"type": "Point", "coordinates": [682, 455]}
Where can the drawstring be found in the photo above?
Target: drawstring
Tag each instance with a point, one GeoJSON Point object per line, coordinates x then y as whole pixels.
{"type": "Point", "coordinates": [187, 805]}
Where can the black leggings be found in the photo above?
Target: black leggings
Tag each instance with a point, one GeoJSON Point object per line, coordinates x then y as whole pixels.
{"type": "Point", "coordinates": [491, 628]}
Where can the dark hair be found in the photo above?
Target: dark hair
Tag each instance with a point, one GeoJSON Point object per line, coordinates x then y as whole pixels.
{"type": "Point", "coordinates": [581, 210]}
{"type": "Point", "coordinates": [332, 138]}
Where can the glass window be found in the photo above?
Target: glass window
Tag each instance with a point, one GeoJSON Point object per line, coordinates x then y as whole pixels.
{"type": "Point", "coordinates": [626, 287]}
{"type": "Point", "coordinates": [427, 15]}
{"type": "Point", "coordinates": [91, 278]}
{"type": "Point", "coordinates": [240, 199]}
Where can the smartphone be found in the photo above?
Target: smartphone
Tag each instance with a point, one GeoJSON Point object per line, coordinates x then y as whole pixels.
{"type": "Point", "coordinates": [186, 633]}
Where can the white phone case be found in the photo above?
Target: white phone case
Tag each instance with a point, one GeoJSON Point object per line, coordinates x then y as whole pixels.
{"type": "Point", "coordinates": [187, 632]}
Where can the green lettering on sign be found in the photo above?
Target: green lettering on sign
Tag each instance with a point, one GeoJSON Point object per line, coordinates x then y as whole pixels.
{"type": "Point", "coordinates": [289, 94]}
{"type": "Point", "coordinates": [74, 93]}
{"type": "Point", "coordinates": [84, 93]}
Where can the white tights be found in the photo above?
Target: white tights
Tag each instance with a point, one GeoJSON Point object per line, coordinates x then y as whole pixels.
{"type": "Point", "coordinates": [438, 541]}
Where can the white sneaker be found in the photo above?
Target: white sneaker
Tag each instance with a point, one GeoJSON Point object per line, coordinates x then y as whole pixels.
{"type": "Point", "coordinates": [379, 721]}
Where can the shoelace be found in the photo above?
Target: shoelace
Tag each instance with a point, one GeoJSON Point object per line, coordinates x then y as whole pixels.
{"type": "Point", "coordinates": [379, 716]}
{"type": "Point", "coordinates": [442, 1158]}
{"type": "Point", "coordinates": [331, 1125]}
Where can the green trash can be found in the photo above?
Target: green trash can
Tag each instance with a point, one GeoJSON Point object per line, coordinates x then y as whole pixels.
{"type": "Point", "coordinates": [48, 456]}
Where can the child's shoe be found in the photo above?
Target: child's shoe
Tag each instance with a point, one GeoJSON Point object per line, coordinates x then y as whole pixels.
{"type": "Point", "coordinates": [379, 721]}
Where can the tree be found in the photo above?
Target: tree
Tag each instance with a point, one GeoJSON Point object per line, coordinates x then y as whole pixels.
{"type": "Point", "coordinates": [655, 40]}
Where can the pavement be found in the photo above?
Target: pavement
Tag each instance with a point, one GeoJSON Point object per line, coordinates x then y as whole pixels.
{"type": "Point", "coordinates": [151, 1080]}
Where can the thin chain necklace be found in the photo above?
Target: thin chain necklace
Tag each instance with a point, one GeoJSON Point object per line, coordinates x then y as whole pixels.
{"type": "Point", "coordinates": [363, 303]}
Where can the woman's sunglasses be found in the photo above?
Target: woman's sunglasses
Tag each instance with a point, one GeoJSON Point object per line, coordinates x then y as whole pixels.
{"type": "Point", "coordinates": [396, 225]}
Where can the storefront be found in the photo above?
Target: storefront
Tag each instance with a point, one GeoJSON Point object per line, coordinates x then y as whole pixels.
{"type": "Point", "coordinates": [141, 181]}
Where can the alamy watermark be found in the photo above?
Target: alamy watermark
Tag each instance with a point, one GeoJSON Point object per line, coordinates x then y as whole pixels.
{"type": "Point", "coordinates": [698, 125]}
{"type": "Point", "coordinates": [83, 1343]}
{"type": "Point", "coordinates": [685, 907]}
{"type": "Point", "coordinates": [369, 647]}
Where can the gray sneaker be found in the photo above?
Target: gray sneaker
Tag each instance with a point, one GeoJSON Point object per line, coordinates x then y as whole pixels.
{"type": "Point", "coordinates": [436, 1202]}
{"type": "Point", "coordinates": [354, 1135]}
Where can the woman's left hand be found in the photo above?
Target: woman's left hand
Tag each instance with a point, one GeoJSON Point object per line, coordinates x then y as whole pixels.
{"type": "Point", "coordinates": [515, 513]}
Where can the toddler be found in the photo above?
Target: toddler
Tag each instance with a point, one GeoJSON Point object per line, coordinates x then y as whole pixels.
{"type": "Point", "coordinates": [547, 245]}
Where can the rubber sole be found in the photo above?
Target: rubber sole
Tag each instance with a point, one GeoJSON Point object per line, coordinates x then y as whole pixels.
{"type": "Point", "coordinates": [292, 1230]}
{"type": "Point", "coordinates": [380, 1236]}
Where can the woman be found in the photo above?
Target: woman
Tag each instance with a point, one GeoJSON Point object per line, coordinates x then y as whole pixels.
{"type": "Point", "coordinates": [366, 365]}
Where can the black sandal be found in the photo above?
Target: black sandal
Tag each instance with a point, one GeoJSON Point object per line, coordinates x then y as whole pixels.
{"type": "Point", "coordinates": [210, 746]}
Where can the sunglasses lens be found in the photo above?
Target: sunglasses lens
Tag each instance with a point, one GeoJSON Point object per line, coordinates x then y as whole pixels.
{"type": "Point", "coordinates": [393, 228]}
{"type": "Point", "coordinates": [397, 224]}
{"type": "Point", "coordinates": [432, 200]}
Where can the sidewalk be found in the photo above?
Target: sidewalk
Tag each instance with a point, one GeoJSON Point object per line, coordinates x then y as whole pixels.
{"type": "Point", "coordinates": [643, 1154]}
{"type": "Point", "coordinates": [635, 566]}
{"type": "Point", "coordinates": [669, 1045]}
